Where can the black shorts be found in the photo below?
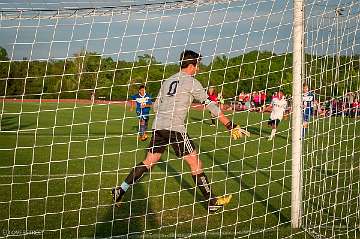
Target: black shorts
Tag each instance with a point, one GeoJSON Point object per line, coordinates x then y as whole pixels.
{"type": "Point", "coordinates": [180, 142]}
{"type": "Point", "coordinates": [275, 122]}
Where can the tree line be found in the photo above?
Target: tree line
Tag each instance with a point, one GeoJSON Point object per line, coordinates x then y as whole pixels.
{"type": "Point", "coordinates": [87, 72]}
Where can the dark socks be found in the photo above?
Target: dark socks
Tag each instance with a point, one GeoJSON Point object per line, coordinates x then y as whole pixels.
{"type": "Point", "coordinates": [146, 125]}
{"type": "Point", "coordinates": [141, 127]}
{"type": "Point", "coordinates": [143, 124]}
{"type": "Point", "coordinates": [135, 174]}
{"type": "Point", "coordinates": [203, 184]}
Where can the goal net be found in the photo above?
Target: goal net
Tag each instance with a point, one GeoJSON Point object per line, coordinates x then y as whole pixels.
{"type": "Point", "coordinates": [69, 130]}
{"type": "Point", "coordinates": [330, 152]}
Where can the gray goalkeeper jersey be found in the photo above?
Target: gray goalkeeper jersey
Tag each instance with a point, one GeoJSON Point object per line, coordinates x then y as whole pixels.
{"type": "Point", "coordinates": [174, 100]}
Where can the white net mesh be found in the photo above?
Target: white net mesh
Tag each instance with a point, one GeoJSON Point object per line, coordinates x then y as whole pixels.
{"type": "Point", "coordinates": [68, 71]}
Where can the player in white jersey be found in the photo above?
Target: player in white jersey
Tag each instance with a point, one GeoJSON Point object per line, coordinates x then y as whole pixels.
{"type": "Point", "coordinates": [278, 107]}
{"type": "Point", "coordinates": [171, 107]}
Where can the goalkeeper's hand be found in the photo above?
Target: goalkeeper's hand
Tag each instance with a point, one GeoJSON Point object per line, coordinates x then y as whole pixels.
{"type": "Point", "coordinates": [236, 132]}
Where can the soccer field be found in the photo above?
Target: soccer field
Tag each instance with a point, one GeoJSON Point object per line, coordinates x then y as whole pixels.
{"type": "Point", "coordinates": [60, 160]}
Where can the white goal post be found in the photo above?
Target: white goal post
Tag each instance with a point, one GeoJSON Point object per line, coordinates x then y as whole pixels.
{"type": "Point", "coordinates": [297, 106]}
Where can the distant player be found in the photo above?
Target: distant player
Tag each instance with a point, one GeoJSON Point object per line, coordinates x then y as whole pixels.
{"type": "Point", "coordinates": [169, 128]}
{"type": "Point", "coordinates": [355, 108]}
{"type": "Point", "coordinates": [143, 105]}
{"type": "Point", "coordinates": [221, 101]}
{"type": "Point", "coordinates": [92, 97]}
{"type": "Point", "coordinates": [308, 101]}
{"type": "Point", "coordinates": [213, 96]}
{"type": "Point", "coordinates": [278, 107]}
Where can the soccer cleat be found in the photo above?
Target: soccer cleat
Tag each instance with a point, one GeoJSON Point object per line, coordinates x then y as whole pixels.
{"type": "Point", "coordinates": [143, 137]}
{"type": "Point", "coordinates": [220, 202]}
{"type": "Point", "coordinates": [116, 196]}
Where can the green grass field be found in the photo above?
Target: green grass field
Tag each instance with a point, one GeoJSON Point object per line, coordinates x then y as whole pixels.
{"type": "Point", "coordinates": [59, 162]}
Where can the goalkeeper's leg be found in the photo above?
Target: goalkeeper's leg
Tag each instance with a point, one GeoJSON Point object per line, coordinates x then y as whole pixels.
{"type": "Point", "coordinates": [134, 176]}
{"type": "Point", "coordinates": [201, 180]}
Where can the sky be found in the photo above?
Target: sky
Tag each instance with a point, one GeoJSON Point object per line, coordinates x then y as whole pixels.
{"type": "Point", "coordinates": [213, 28]}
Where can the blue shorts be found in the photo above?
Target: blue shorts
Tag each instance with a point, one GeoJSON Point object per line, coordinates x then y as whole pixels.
{"type": "Point", "coordinates": [141, 116]}
{"type": "Point", "coordinates": [308, 112]}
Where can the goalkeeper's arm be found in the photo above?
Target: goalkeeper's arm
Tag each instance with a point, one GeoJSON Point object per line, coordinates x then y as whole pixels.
{"type": "Point", "coordinates": [199, 94]}
{"type": "Point", "coordinates": [235, 130]}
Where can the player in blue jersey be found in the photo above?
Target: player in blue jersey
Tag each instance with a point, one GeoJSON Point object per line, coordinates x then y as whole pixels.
{"type": "Point", "coordinates": [308, 109]}
{"type": "Point", "coordinates": [143, 103]}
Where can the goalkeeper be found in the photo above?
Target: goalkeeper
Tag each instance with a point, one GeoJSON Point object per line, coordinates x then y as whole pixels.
{"type": "Point", "coordinates": [171, 107]}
